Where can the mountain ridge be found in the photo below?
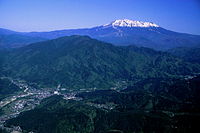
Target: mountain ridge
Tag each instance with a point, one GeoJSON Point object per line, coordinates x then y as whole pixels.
{"type": "Point", "coordinates": [128, 32]}
{"type": "Point", "coordinates": [83, 62]}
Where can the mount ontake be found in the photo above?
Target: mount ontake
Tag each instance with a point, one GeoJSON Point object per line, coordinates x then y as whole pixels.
{"type": "Point", "coordinates": [130, 23]}
{"type": "Point", "coordinates": [119, 32]}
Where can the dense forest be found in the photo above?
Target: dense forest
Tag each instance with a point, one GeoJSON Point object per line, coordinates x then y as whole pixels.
{"type": "Point", "coordinates": [82, 62]}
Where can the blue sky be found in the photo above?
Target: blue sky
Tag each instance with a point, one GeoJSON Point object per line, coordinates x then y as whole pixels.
{"type": "Point", "coordinates": [46, 15]}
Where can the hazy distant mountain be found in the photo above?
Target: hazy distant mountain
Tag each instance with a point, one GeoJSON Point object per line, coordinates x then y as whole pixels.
{"type": "Point", "coordinates": [7, 32]}
{"type": "Point", "coordinates": [128, 32]}
{"type": "Point", "coordinates": [17, 40]}
{"type": "Point", "coordinates": [82, 62]}
{"type": "Point", "coordinates": [13, 39]}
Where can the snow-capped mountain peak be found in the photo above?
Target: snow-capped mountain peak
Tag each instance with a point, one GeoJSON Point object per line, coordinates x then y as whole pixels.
{"type": "Point", "coordinates": [131, 23]}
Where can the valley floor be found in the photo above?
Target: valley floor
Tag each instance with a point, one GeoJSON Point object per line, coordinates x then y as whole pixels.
{"type": "Point", "coordinates": [112, 111]}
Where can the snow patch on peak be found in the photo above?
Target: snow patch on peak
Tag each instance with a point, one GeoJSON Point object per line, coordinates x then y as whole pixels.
{"type": "Point", "coordinates": [131, 23]}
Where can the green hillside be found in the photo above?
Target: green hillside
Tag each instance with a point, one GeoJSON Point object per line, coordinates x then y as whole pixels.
{"type": "Point", "coordinates": [188, 54]}
{"type": "Point", "coordinates": [17, 40]}
{"type": "Point", "coordinates": [7, 88]}
{"type": "Point", "coordinates": [82, 62]}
